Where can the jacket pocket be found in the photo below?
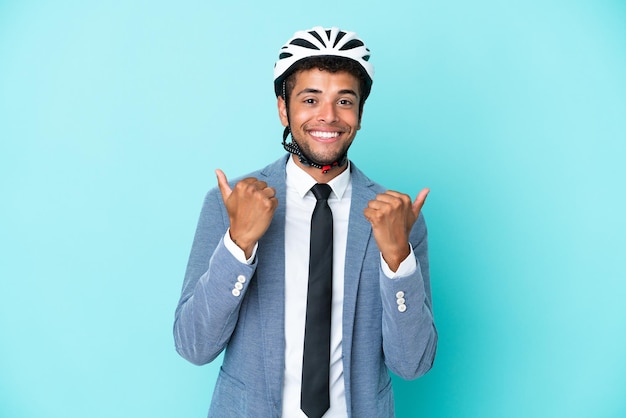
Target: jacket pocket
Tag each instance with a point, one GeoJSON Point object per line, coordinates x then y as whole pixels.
{"type": "Point", "coordinates": [385, 403]}
{"type": "Point", "coordinates": [229, 398]}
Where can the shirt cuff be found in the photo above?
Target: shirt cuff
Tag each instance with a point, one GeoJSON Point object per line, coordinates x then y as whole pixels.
{"type": "Point", "coordinates": [237, 252]}
{"type": "Point", "coordinates": [406, 268]}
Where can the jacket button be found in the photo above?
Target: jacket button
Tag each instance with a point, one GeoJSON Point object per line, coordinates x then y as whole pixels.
{"type": "Point", "coordinates": [402, 308]}
{"type": "Point", "coordinates": [236, 292]}
{"type": "Point", "coordinates": [400, 294]}
{"type": "Point", "coordinates": [241, 278]}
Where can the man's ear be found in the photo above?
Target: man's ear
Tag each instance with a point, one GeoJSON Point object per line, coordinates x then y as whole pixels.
{"type": "Point", "coordinates": [282, 111]}
{"type": "Point", "coordinates": [358, 126]}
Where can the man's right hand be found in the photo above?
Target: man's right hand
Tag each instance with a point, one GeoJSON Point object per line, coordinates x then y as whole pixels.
{"type": "Point", "coordinates": [250, 206]}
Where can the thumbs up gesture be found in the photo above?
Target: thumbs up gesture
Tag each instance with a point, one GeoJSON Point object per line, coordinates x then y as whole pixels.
{"type": "Point", "coordinates": [250, 205]}
{"type": "Point", "coordinates": [392, 215]}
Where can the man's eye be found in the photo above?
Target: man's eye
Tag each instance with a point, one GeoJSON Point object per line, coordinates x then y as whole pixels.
{"type": "Point", "coordinates": [309, 101]}
{"type": "Point", "coordinates": [345, 102]}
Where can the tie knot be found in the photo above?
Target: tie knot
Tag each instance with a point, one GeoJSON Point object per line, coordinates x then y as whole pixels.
{"type": "Point", "coordinates": [321, 191]}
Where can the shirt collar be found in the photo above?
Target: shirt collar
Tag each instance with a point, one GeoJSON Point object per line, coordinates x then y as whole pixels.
{"type": "Point", "coordinates": [302, 182]}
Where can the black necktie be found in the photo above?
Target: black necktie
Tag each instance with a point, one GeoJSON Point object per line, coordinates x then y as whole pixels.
{"type": "Point", "coordinates": [315, 397]}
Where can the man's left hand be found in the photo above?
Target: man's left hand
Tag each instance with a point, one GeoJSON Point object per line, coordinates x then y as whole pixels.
{"type": "Point", "coordinates": [392, 215]}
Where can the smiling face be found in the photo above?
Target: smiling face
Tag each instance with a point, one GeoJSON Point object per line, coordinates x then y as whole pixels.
{"type": "Point", "coordinates": [324, 115]}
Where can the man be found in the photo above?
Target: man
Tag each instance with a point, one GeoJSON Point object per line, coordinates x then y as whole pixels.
{"type": "Point", "coordinates": [251, 282]}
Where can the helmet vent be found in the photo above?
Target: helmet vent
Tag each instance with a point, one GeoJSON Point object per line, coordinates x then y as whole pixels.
{"type": "Point", "coordinates": [354, 43]}
{"type": "Point", "coordinates": [318, 37]}
{"type": "Point", "coordinates": [284, 55]}
{"type": "Point", "coordinates": [339, 36]}
{"type": "Point", "coordinates": [303, 43]}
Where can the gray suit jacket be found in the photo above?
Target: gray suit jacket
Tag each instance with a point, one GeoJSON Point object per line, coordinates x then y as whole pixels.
{"type": "Point", "coordinates": [249, 324]}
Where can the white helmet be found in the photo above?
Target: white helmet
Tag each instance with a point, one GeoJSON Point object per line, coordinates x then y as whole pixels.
{"type": "Point", "coordinates": [322, 42]}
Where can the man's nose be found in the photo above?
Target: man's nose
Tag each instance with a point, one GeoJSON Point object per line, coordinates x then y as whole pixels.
{"type": "Point", "coordinates": [328, 113]}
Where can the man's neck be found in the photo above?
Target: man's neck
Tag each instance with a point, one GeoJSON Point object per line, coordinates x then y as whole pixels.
{"type": "Point", "coordinates": [317, 173]}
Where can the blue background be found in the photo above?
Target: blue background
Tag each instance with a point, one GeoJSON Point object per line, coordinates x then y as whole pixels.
{"type": "Point", "coordinates": [113, 116]}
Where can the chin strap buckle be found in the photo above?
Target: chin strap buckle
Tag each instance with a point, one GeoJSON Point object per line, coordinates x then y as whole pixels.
{"type": "Point", "coordinates": [326, 168]}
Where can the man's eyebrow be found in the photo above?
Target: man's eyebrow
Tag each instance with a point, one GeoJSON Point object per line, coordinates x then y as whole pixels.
{"type": "Point", "coordinates": [316, 91]}
{"type": "Point", "coordinates": [309, 91]}
{"type": "Point", "coordinates": [349, 91]}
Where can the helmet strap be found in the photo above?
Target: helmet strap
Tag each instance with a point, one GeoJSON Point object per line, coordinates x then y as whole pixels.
{"type": "Point", "coordinates": [293, 148]}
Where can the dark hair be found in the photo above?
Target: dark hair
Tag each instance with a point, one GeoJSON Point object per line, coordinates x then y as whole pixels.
{"type": "Point", "coordinates": [331, 64]}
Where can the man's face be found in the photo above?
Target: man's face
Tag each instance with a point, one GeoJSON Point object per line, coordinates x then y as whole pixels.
{"type": "Point", "coordinates": [323, 113]}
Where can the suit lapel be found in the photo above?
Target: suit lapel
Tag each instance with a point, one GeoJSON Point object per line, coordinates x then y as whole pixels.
{"type": "Point", "coordinates": [359, 235]}
{"type": "Point", "coordinates": [271, 284]}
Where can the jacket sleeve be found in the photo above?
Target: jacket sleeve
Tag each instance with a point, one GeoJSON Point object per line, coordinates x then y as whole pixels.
{"type": "Point", "coordinates": [409, 333]}
{"type": "Point", "coordinates": [214, 287]}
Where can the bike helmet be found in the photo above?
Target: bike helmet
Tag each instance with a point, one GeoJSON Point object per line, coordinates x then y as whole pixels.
{"type": "Point", "coordinates": [317, 42]}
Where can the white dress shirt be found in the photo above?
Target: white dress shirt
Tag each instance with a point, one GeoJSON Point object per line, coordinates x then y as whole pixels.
{"type": "Point", "coordinates": [300, 205]}
{"type": "Point", "coordinates": [299, 208]}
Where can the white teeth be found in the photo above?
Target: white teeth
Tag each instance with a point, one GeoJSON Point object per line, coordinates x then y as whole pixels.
{"type": "Point", "coordinates": [325, 134]}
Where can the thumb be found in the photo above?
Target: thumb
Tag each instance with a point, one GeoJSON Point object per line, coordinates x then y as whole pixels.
{"type": "Point", "coordinates": [222, 182]}
{"type": "Point", "coordinates": [419, 201]}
